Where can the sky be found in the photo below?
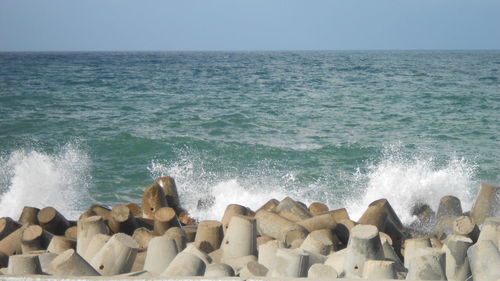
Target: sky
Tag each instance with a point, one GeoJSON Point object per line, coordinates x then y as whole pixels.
{"type": "Point", "coordinates": [161, 25]}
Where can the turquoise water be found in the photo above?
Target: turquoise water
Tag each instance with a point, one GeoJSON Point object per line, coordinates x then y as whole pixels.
{"type": "Point", "coordinates": [344, 128]}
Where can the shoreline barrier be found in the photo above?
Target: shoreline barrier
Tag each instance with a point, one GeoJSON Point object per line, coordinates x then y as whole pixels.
{"type": "Point", "coordinates": [281, 240]}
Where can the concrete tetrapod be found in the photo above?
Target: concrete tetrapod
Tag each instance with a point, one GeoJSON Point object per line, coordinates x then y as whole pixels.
{"type": "Point", "coordinates": [457, 264]}
{"type": "Point", "coordinates": [116, 256]}
{"type": "Point", "coordinates": [484, 260]}
{"type": "Point", "coordinates": [321, 271]}
{"type": "Point", "coordinates": [152, 199]}
{"type": "Point", "coordinates": [364, 244]}
{"type": "Point", "coordinates": [52, 221]}
{"type": "Point", "coordinates": [179, 235]}
{"type": "Point", "coordinates": [210, 231]}
{"type": "Point", "coordinates": [376, 269]}
{"type": "Point", "coordinates": [323, 221]}
{"type": "Point", "coordinates": [491, 231]}
{"type": "Point", "coordinates": [24, 265]}
{"type": "Point", "coordinates": [381, 214]}
{"type": "Point", "coordinates": [253, 269]}
{"type": "Point", "coordinates": [95, 245]}
{"type": "Point", "coordinates": [11, 244]}
{"type": "Point", "coordinates": [59, 244]}
{"type": "Point", "coordinates": [240, 238]}
{"type": "Point", "coordinates": [274, 225]}
{"type": "Point", "coordinates": [164, 218]}
{"type": "Point", "coordinates": [122, 220]}
{"type": "Point", "coordinates": [464, 226]}
{"type": "Point", "coordinates": [336, 260]}
{"type": "Point", "coordinates": [232, 210]}
{"type": "Point", "coordinates": [317, 242]}
{"type": "Point", "coordinates": [487, 203]}
{"type": "Point", "coordinates": [69, 263]}
{"type": "Point", "coordinates": [411, 247]}
{"type": "Point", "coordinates": [142, 236]}
{"type": "Point", "coordinates": [86, 229]}
{"type": "Point", "coordinates": [317, 208]}
{"type": "Point", "coordinates": [218, 270]}
{"type": "Point", "coordinates": [290, 263]}
{"type": "Point", "coordinates": [185, 264]}
{"type": "Point", "coordinates": [449, 206]}
{"type": "Point", "coordinates": [161, 252]}
{"type": "Point", "coordinates": [427, 264]}
{"type": "Point", "coordinates": [170, 190]}
{"type": "Point", "coordinates": [29, 215]}
{"type": "Point", "coordinates": [292, 210]}
{"type": "Point", "coordinates": [267, 253]}
{"type": "Point", "coordinates": [34, 238]}
{"type": "Point", "coordinates": [7, 226]}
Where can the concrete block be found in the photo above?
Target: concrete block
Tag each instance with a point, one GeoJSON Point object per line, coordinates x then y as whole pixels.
{"type": "Point", "coordinates": [316, 208]}
{"type": "Point", "coordinates": [290, 263]}
{"type": "Point", "coordinates": [179, 235]}
{"type": "Point", "coordinates": [210, 231]}
{"type": "Point", "coordinates": [484, 260]}
{"type": "Point", "coordinates": [364, 244]}
{"type": "Point", "coordinates": [218, 270]}
{"type": "Point", "coordinates": [490, 230]}
{"type": "Point", "coordinates": [153, 199]}
{"type": "Point", "coordinates": [273, 225]}
{"type": "Point", "coordinates": [29, 215]}
{"type": "Point", "coordinates": [253, 269]}
{"type": "Point", "coordinates": [427, 264]}
{"type": "Point", "coordinates": [116, 256]}
{"type": "Point", "coordinates": [232, 210]}
{"type": "Point", "coordinates": [164, 218]}
{"type": "Point", "coordinates": [449, 206]}
{"type": "Point", "coordinates": [86, 230]}
{"type": "Point", "coordinates": [24, 265]}
{"type": "Point", "coordinates": [7, 226]}
{"type": "Point", "coordinates": [379, 270]}
{"type": "Point", "coordinates": [142, 236]}
{"type": "Point", "coordinates": [34, 238]}
{"type": "Point", "coordinates": [59, 244]}
{"type": "Point", "coordinates": [185, 264]}
{"type": "Point", "coordinates": [69, 263]}
{"type": "Point", "coordinates": [486, 204]}
{"type": "Point", "coordinates": [318, 242]}
{"type": "Point", "coordinates": [52, 221]}
{"type": "Point", "coordinates": [412, 245]}
{"type": "Point", "coordinates": [159, 255]}
{"type": "Point", "coordinates": [95, 245]}
{"type": "Point", "coordinates": [457, 264]}
{"type": "Point", "coordinates": [292, 210]}
{"type": "Point", "coordinates": [464, 226]}
{"type": "Point", "coordinates": [122, 220]}
{"type": "Point", "coordinates": [321, 271]}
{"type": "Point", "coordinates": [240, 238]}
{"type": "Point", "coordinates": [267, 253]}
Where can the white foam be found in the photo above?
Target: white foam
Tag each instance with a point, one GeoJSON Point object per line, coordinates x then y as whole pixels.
{"type": "Point", "coordinates": [38, 179]}
{"type": "Point", "coordinates": [405, 180]}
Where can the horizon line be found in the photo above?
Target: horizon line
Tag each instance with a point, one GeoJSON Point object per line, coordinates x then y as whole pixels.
{"type": "Point", "coordinates": [237, 50]}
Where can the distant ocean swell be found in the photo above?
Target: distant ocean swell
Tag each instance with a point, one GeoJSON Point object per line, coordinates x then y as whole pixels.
{"type": "Point", "coordinates": [63, 179]}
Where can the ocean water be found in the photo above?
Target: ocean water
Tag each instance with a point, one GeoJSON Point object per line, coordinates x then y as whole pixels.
{"type": "Point", "coordinates": [344, 128]}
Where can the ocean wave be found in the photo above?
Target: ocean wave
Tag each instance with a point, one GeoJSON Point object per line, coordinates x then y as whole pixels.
{"type": "Point", "coordinates": [32, 177]}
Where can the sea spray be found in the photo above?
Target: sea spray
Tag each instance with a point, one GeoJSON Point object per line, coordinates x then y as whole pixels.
{"type": "Point", "coordinates": [405, 180]}
{"type": "Point", "coordinates": [32, 177]}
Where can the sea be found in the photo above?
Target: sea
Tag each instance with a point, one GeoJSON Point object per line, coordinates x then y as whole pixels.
{"type": "Point", "coordinates": [340, 127]}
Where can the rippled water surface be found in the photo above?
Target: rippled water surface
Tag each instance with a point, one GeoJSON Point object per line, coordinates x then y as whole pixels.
{"type": "Point", "coordinates": [342, 127]}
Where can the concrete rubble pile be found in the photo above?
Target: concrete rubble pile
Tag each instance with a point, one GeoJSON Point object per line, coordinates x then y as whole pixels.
{"type": "Point", "coordinates": [281, 239]}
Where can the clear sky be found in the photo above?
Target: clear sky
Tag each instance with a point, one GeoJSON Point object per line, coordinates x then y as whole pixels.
{"type": "Point", "coordinates": [67, 25]}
